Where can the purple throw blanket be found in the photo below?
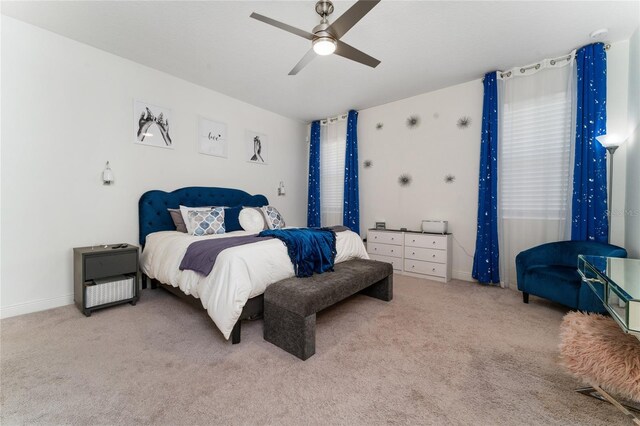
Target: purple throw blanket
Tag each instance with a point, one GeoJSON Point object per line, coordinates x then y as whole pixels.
{"type": "Point", "coordinates": [201, 255]}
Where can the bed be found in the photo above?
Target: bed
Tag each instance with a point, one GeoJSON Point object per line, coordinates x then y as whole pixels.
{"type": "Point", "coordinates": [233, 290]}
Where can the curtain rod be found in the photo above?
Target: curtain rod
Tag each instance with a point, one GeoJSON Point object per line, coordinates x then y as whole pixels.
{"type": "Point", "coordinates": [328, 120]}
{"type": "Point", "coordinates": [553, 61]}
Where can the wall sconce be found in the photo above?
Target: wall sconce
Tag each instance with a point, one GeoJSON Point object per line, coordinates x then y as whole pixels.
{"type": "Point", "coordinates": [107, 175]}
{"type": "Point", "coordinates": [611, 142]}
{"type": "Point", "coordinates": [281, 190]}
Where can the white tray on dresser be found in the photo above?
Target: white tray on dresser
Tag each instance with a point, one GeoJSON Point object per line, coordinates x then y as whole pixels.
{"type": "Point", "coordinates": [412, 253]}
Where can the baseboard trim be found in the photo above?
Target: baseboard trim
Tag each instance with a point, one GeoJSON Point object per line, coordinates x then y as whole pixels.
{"type": "Point", "coordinates": [56, 302]}
{"type": "Point", "coordinates": [423, 276]}
{"type": "Point", "coordinates": [35, 306]}
{"type": "Point", "coordinates": [462, 275]}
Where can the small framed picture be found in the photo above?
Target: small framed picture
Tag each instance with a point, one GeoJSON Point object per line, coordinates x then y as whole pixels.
{"type": "Point", "coordinates": [256, 147]}
{"type": "Point", "coordinates": [152, 125]}
{"type": "Point", "coordinates": [212, 138]}
{"type": "Point", "coordinates": [381, 225]}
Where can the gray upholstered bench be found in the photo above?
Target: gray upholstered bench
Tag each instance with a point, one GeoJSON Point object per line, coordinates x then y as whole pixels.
{"type": "Point", "coordinates": [290, 305]}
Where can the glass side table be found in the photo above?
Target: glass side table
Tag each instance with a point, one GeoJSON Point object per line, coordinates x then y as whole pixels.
{"type": "Point", "coordinates": [616, 282]}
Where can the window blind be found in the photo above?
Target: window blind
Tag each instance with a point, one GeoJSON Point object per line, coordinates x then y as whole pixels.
{"type": "Point", "coordinates": [535, 158]}
{"type": "Point", "coordinates": [333, 145]}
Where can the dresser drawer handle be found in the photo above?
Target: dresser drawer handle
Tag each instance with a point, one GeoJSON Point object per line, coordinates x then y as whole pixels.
{"type": "Point", "coordinates": [433, 255]}
{"type": "Point", "coordinates": [375, 248]}
{"type": "Point", "coordinates": [434, 269]}
{"type": "Point", "coordinates": [413, 266]}
{"type": "Point", "coordinates": [413, 241]}
{"type": "Point", "coordinates": [391, 251]}
{"type": "Point", "coordinates": [391, 238]}
{"type": "Point", "coordinates": [375, 238]}
{"type": "Point", "coordinates": [413, 253]}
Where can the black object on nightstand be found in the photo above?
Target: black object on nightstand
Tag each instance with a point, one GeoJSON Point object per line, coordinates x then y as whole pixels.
{"type": "Point", "coordinates": [104, 276]}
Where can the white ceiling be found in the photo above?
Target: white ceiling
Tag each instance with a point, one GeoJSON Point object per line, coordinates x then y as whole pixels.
{"type": "Point", "coordinates": [423, 45]}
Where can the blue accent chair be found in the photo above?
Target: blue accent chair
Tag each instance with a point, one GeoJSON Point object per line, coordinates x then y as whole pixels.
{"type": "Point", "coordinates": [551, 271]}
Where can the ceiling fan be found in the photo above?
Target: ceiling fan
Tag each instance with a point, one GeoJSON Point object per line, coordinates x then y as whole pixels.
{"type": "Point", "coordinates": [325, 38]}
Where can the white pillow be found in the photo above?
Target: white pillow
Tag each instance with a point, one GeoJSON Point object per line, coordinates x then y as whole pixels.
{"type": "Point", "coordinates": [251, 219]}
{"type": "Point", "coordinates": [184, 211]}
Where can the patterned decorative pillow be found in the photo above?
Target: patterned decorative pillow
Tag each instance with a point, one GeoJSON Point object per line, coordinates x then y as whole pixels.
{"type": "Point", "coordinates": [184, 211]}
{"type": "Point", "coordinates": [207, 222]}
{"type": "Point", "coordinates": [273, 217]}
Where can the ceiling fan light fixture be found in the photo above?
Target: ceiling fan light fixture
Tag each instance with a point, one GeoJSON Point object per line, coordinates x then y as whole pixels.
{"type": "Point", "coordinates": [325, 37]}
{"type": "Point", "coordinates": [324, 46]}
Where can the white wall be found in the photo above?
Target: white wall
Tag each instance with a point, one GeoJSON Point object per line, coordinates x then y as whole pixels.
{"type": "Point", "coordinates": [617, 90]}
{"type": "Point", "coordinates": [67, 108]}
{"type": "Point", "coordinates": [435, 148]}
{"type": "Point", "coordinates": [632, 208]}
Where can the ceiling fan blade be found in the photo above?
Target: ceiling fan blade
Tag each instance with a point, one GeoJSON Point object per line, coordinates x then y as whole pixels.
{"type": "Point", "coordinates": [349, 52]}
{"type": "Point", "coordinates": [308, 57]}
{"type": "Point", "coordinates": [282, 26]}
{"type": "Point", "coordinates": [351, 17]}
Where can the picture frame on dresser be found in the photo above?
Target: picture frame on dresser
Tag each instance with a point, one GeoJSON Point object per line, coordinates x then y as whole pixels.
{"type": "Point", "coordinates": [413, 253]}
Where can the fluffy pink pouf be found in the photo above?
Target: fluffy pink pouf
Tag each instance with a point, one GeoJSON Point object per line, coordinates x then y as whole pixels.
{"type": "Point", "coordinates": [596, 350]}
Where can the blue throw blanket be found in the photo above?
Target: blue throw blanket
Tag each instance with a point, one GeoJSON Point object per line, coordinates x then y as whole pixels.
{"type": "Point", "coordinates": [310, 249]}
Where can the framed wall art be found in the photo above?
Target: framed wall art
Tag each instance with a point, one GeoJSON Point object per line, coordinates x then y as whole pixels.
{"type": "Point", "coordinates": [152, 125]}
{"type": "Point", "coordinates": [212, 138]}
{"type": "Point", "coordinates": [256, 147]}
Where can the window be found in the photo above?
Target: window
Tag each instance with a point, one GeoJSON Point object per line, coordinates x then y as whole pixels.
{"type": "Point", "coordinates": [535, 158]}
{"type": "Point", "coordinates": [333, 145]}
{"type": "Point", "coordinates": [535, 155]}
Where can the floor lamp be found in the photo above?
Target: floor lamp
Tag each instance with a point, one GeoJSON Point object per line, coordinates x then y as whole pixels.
{"type": "Point", "coordinates": [611, 142]}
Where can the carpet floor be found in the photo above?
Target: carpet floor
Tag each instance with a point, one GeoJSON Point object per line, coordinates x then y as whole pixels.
{"type": "Point", "coordinates": [454, 353]}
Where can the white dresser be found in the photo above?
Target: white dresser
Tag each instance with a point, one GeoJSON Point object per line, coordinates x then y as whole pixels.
{"type": "Point", "coordinates": [412, 253]}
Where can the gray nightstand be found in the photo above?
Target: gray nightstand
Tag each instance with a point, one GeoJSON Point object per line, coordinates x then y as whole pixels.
{"type": "Point", "coordinates": [105, 276]}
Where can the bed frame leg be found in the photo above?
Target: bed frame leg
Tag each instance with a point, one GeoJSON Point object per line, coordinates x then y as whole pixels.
{"type": "Point", "coordinates": [235, 333]}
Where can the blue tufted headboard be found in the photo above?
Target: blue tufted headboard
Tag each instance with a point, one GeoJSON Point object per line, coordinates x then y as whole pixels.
{"type": "Point", "coordinates": [153, 215]}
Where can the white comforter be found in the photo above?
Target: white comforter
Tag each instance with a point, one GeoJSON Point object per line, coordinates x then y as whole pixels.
{"type": "Point", "coordinates": [239, 273]}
